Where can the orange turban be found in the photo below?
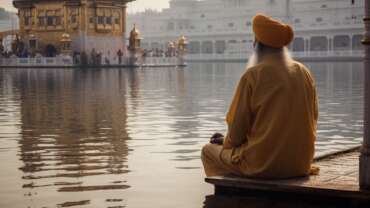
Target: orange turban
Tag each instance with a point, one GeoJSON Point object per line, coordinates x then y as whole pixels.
{"type": "Point", "coordinates": [272, 32]}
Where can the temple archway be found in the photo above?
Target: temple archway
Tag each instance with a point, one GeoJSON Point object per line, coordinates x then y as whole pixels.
{"type": "Point", "coordinates": [50, 51]}
{"type": "Point", "coordinates": [342, 42]}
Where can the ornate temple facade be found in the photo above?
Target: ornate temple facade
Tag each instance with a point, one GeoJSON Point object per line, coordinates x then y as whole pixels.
{"type": "Point", "coordinates": [46, 26]}
{"type": "Point", "coordinates": [223, 28]}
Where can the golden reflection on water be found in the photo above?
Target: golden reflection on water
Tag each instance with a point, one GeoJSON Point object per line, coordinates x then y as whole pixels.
{"type": "Point", "coordinates": [132, 137]}
{"type": "Point", "coordinates": [73, 129]}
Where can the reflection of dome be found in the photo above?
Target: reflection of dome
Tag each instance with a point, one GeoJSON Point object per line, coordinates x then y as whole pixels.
{"type": "Point", "coordinates": [32, 37]}
{"type": "Point", "coordinates": [135, 33]}
{"type": "Point", "coordinates": [66, 38]}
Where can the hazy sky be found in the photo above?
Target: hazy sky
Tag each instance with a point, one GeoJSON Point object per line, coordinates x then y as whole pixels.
{"type": "Point", "coordinates": [138, 5]}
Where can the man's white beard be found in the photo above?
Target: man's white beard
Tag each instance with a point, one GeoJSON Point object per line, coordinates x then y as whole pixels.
{"type": "Point", "coordinates": [256, 57]}
{"type": "Point", "coordinates": [252, 60]}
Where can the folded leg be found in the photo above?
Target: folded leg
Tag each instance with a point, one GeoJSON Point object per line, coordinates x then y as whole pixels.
{"type": "Point", "coordinates": [217, 161]}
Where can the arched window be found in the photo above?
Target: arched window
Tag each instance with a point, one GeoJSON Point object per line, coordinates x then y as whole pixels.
{"type": "Point", "coordinates": [171, 26]}
{"type": "Point", "coordinates": [220, 46]}
{"type": "Point", "coordinates": [194, 47]}
{"type": "Point", "coordinates": [298, 44]}
{"type": "Point", "coordinates": [319, 43]}
{"type": "Point", "coordinates": [207, 47]}
{"type": "Point", "coordinates": [356, 42]}
{"type": "Point", "coordinates": [341, 42]}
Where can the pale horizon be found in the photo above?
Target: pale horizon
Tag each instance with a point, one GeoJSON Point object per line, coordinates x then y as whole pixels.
{"type": "Point", "coordinates": [137, 6]}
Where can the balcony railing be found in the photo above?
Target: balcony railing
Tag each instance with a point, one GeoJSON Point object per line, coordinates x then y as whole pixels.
{"type": "Point", "coordinates": [39, 61]}
{"type": "Point", "coordinates": [303, 54]}
{"type": "Point", "coordinates": [68, 62]}
{"type": "Point", "coordinates": [160, 61]}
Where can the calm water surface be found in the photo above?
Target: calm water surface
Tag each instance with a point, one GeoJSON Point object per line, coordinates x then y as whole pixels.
{"type": "Point", "coordinates": [132, 137]}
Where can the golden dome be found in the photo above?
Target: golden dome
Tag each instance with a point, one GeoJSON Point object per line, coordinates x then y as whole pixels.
{"type": "Point", "coordinates": [66, 37]}
{"type": "Point", "coordinates": [135, 33]}
{"type": "Point", "coordinates": [182, 40]}
{"type": "Point", "coordinates": [32, 37]}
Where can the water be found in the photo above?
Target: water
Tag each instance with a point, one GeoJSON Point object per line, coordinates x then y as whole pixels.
{"type": "Point", "coordinates": [132, 137]}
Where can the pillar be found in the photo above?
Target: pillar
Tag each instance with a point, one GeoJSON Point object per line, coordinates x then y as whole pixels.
{"type": "Point", "coordinates": [331, 46]}
{"type": "Point", "coordinates": [365, 150]}
{"type": "Point", "coordinates": [307, 46]}
{"type": "Point", "coordinates": [123, 24]}
{"type": "Point", "coordinates": [350, 43]}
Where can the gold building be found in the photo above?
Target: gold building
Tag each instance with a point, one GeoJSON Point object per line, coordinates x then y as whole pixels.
{"type": "Point", "coordinates": [91, 25]}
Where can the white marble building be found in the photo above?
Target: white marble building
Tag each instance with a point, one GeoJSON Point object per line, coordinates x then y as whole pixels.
{"type": "Point", "coordinates": [8, 24]}
{"type": "Point", "coordinates": [222, 28]}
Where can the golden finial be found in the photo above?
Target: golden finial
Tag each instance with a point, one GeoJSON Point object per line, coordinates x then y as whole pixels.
{"type": "Point", "coordinates": [135, 33]}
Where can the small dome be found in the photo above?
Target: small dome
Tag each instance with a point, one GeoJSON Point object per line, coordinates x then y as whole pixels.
{"type": "Point", "coordinates": [32, 37]}
{"type": "Point", "coordinates": [135, 33]}
{"type": "Point", "coordinates": [182, 40]}
{"type": "Point", "coordinates": [66, 37]}
{"type": "Point", "coordinates": [171, 44]}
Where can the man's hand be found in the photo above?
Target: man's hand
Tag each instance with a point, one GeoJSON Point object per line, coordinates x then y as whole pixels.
{"type": "Point", "coordinates": [217, 138]}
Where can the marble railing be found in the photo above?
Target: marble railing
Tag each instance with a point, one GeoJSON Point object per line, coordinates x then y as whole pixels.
{"type": "Point", "coordinates": [303, 54]}
{"type": "Point", "coordinates": [39, 61]}
{"type": "Point", "coordinates": [67, 61]}
{"type": "Point", "coordinates": [152, 61]}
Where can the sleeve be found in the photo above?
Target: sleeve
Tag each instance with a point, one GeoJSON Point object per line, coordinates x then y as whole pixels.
{"type": "Point", "coordinates": [238, 117]}
{"type": "Point", "coordinates": [315, 104]}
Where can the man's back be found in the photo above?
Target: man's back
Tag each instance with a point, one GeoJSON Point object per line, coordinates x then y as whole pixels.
{"type": "Point", "coordinates": [281, 130]}
{"type": "Point", "coordinates": [273, 116]}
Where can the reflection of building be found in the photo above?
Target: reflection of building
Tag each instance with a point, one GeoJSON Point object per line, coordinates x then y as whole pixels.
{"type": "Point", "coordinates": [91, 24]}
{"type": "Point", "coordinates": [73, 129]}
{"type": "Point", "coordinates": [223, 27]}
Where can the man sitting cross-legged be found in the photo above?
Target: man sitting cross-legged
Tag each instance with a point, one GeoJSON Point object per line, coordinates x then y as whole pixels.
{"type": "Point", "coordinates": [273, 116]}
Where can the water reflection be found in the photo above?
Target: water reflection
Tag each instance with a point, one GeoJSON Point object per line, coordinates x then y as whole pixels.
{"type": "Point", "coordinates": [129, 137]}
{"type": "Point", "coordinates": [73, 129]}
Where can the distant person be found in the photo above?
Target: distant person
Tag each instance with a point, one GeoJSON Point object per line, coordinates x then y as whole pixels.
{"type": "Point", "coordinates": [119, 54]}
{"type": "Point", "coordinates": [99, 57]}
{"type": "Point", "coordinates": [106, 60]}
{"type": "Point", "coordinates": [273, 115]}
{"type": "Point", "coordinates": [93, 57]}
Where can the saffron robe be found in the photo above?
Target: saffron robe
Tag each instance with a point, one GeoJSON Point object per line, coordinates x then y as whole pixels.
{"type": "Point", "coordinates": [272, 123]}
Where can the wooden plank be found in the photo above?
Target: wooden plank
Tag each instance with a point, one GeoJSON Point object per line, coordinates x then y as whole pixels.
{"type": "Point", "coordinates": [302, 186]}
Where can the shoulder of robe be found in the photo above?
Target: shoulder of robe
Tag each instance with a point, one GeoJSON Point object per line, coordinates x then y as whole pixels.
{"type": "Point", "coordinates": [257, 71]}
{"type": "Point", "coordinates": [250, 74]}
{"type": "Point", "coordinates": [307, 71]}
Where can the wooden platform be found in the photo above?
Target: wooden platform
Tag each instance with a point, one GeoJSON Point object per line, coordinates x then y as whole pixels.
{"type": "Point", "coordinates": [338, 179]}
